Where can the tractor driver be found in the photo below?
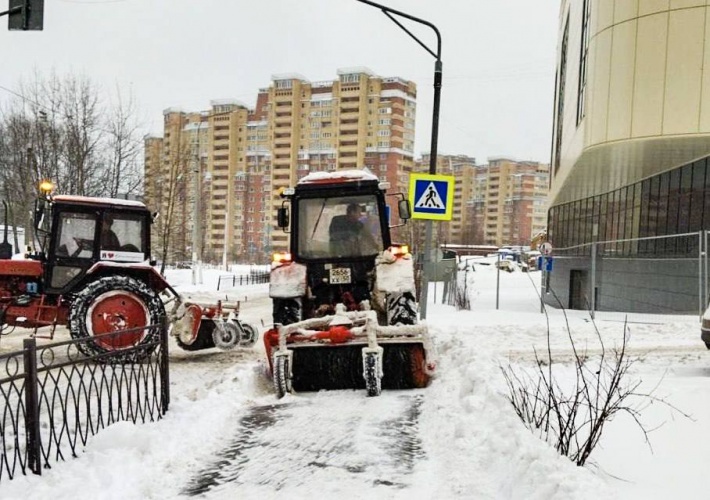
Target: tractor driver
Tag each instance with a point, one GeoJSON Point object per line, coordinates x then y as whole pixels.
{"type": "Point", "coordinates": [360, 230]}
{"type": "Point", "coordinates": [109, 240]}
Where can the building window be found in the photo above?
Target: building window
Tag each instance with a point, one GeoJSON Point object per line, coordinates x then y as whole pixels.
{"type": "Point", "coordinates": [559, 116]}
{"type": "Point", "coordinates": [351, 78]}
{"type": "Point", "coordinates": [584, 50]}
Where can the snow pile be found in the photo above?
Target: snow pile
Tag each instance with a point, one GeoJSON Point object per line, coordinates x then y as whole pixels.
{"type": "Point", "coordinates": [226, 436]}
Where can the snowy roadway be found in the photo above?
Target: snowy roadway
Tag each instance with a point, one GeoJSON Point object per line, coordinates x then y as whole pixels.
{"type": "Point", "coordinates": [226, 436]}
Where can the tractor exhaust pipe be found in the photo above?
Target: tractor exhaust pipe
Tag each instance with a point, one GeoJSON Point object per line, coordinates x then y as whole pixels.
{"type": "Point", "coordinates": [5, 247]}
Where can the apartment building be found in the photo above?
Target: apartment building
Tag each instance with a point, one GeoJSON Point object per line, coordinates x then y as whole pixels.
{"type": "Point", "coordinates": [630, 154]}
{"type": "Point", "coordinates": [508, 202]}
{"type": "Point", "coordinates": [171, 163]}
{"type": "Point", "coordinates": [246, 156]}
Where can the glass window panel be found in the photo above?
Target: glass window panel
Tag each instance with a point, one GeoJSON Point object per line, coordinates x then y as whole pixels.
{"type": "Point", "coordinates": [696, 197]}
{"type": "Point", "coordinates": [614, 209]}
{"type": "Point", "coordinates": [662, 216]}
{"type": "Point", "coordinates": [574, 226]}
{"type": "Point", "coordinates": [706, 200]}
{"type": "Point", "coordinates": [603, 217]}
{"type": "Point", "coordinates": [643, 219]}
{"type": "Point", "coordinates": [596, 218]}
{"type": "Point", "coordinates": [686, 181]}
{"type": "Point", "coordinates": [673, 204]}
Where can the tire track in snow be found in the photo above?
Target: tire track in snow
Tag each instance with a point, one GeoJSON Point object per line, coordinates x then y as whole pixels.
{"type": "Point", "coordinates": [342, 436]}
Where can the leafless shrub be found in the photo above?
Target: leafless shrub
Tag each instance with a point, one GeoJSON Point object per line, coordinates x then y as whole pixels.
{"type": "Point", "coordinates": [461, 292]}
{"type": "Point", "coordinates": [572, 418]}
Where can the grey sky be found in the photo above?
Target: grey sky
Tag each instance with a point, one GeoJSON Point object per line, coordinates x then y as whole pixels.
{"type": "Point", "coordinates": [498, 55]}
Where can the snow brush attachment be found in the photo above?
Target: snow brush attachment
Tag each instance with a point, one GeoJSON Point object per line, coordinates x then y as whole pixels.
{"type": "Point", "coordinates": [203, 326]}
{"type": "Point", "coordinates": [311, 355]}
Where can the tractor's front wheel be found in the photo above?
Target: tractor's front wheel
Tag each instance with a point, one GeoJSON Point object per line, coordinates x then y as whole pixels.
{"type": "Point", "coordinates": [402, 309]}
{"type": "Point", "coordinates": [282, 374]}
{"type": "Point", "coordinates": [111, 304]}
{"type": "Point", "coordinates": [287, 311]}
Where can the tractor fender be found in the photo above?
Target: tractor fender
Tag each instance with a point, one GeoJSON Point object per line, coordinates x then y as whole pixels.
{"type": "Point", "coordinates": [143, 271]}
{"type": "Point", "coordinates": [394, 274]}
{"type": "Point", "coordinates": [288, 281]}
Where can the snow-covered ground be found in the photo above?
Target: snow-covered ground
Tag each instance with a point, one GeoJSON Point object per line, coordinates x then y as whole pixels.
{"type": "Point", "coordinates": [226, 436]}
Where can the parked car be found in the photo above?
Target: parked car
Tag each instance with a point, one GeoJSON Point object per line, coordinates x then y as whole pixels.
{"type": "Point", "coordinates": [705, 328]}
{"type": "Point", "coordinates": [506, 265]}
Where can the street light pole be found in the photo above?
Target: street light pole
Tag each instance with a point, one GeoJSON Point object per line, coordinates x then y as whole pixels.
{"type": "Point", "coordinates": [438, 77]}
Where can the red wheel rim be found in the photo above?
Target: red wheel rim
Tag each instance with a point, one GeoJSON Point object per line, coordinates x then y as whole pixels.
{"type": "Point", "coordinates": [114, 311]}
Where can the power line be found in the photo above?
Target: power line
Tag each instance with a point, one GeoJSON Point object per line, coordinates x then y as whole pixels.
{"type": "Point", "coordinates": [23, 97]}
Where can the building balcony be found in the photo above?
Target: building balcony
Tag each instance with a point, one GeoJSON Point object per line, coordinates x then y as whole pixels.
{"type": "Point", "coordinates": [349, 127]}
{"type": "Point", "coordinates": [349, 113]}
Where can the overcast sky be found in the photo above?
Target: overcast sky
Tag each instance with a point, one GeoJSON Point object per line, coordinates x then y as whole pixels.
{"type": "Point", "coordinates": [498, 58]}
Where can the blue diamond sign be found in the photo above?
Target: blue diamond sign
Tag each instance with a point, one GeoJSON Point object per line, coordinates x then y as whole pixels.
{"type": "Point", "coordinates": [431, 196]}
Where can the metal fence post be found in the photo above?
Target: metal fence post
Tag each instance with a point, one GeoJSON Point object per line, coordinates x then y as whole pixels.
{"type": "Point", "coordinates": [164, 367]}
{"type": "Point", "coordinates": [594, 279]}
{"type": "Point", "coordinates": [34, 444]}
{"type": "Point", "coordinates": [700, 275]}
{"type": "Point", "coordinates": [497, 281]}
{"type": "Point", "coordinates": [705, 276]}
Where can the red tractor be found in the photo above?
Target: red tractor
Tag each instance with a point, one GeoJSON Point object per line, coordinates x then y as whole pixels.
{"type": "Point", "coordinates": [345, 311]}
{"type": "Point", "coordinates": [92, 272]}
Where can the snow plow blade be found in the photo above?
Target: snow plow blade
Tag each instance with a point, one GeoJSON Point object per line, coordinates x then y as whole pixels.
{"type": "Point", "coordinates": [348, 351]}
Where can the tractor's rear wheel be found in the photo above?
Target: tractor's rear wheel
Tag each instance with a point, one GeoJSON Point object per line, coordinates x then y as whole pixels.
{"type": "Point", "coordinates": [111, 304]}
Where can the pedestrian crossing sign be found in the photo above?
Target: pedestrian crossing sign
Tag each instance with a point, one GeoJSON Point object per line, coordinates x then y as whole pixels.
{"type": "Point", "coordinates": [431, 196]}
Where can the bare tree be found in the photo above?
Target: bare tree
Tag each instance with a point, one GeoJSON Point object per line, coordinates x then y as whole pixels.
{"type": "Point", "coordinates": [171, 225]}
{"type": "Point", "coordinates": [123, 173]}
{"type": "Point", "coordinates": [82, 128]}
{"type": "Point", "coordinates": [57, 128]}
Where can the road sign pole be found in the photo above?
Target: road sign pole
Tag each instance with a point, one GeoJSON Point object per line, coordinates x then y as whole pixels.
{"type": "Point", "coordinates": [498, 281]}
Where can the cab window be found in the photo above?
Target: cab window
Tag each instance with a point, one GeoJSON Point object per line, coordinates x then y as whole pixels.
{"type": "Point", "coordinates": [75, 237]}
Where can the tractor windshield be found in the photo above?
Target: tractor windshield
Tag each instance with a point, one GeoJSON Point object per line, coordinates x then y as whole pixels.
{"type": "Point", "coordinates": [344, 226]}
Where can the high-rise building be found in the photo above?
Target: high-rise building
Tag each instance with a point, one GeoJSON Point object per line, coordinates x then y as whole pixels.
{"type": "Point", "coordinates": [508, 203]}
{"type": "Point", "coordinates": [245, 157]}
{"type": "Point", "coordinates": [630, 154]}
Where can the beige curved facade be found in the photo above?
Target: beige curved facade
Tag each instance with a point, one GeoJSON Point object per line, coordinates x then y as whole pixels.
{"type": "Point", "coordinates": [644, 105]}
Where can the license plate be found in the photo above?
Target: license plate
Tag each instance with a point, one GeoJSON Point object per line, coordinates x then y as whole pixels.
{"type": "Point", "coordinates": [340, 276]}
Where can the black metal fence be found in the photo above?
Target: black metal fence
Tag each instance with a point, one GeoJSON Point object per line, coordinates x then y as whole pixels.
{"type": "Point", "coordinates": [252, 278]}
{"type": "Point", "coordinates": [53, 397]}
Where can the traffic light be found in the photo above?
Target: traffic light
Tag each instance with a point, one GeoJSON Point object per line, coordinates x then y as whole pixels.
{"type": "Point", "coordinates": [26, 15]}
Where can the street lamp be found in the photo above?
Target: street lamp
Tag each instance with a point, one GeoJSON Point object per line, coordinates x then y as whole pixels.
{"type": "Point", "coordinates": [438, 73]}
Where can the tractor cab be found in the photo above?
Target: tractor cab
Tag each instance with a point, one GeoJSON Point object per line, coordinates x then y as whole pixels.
{"type": "Point", "coordinates": [77, 232]}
